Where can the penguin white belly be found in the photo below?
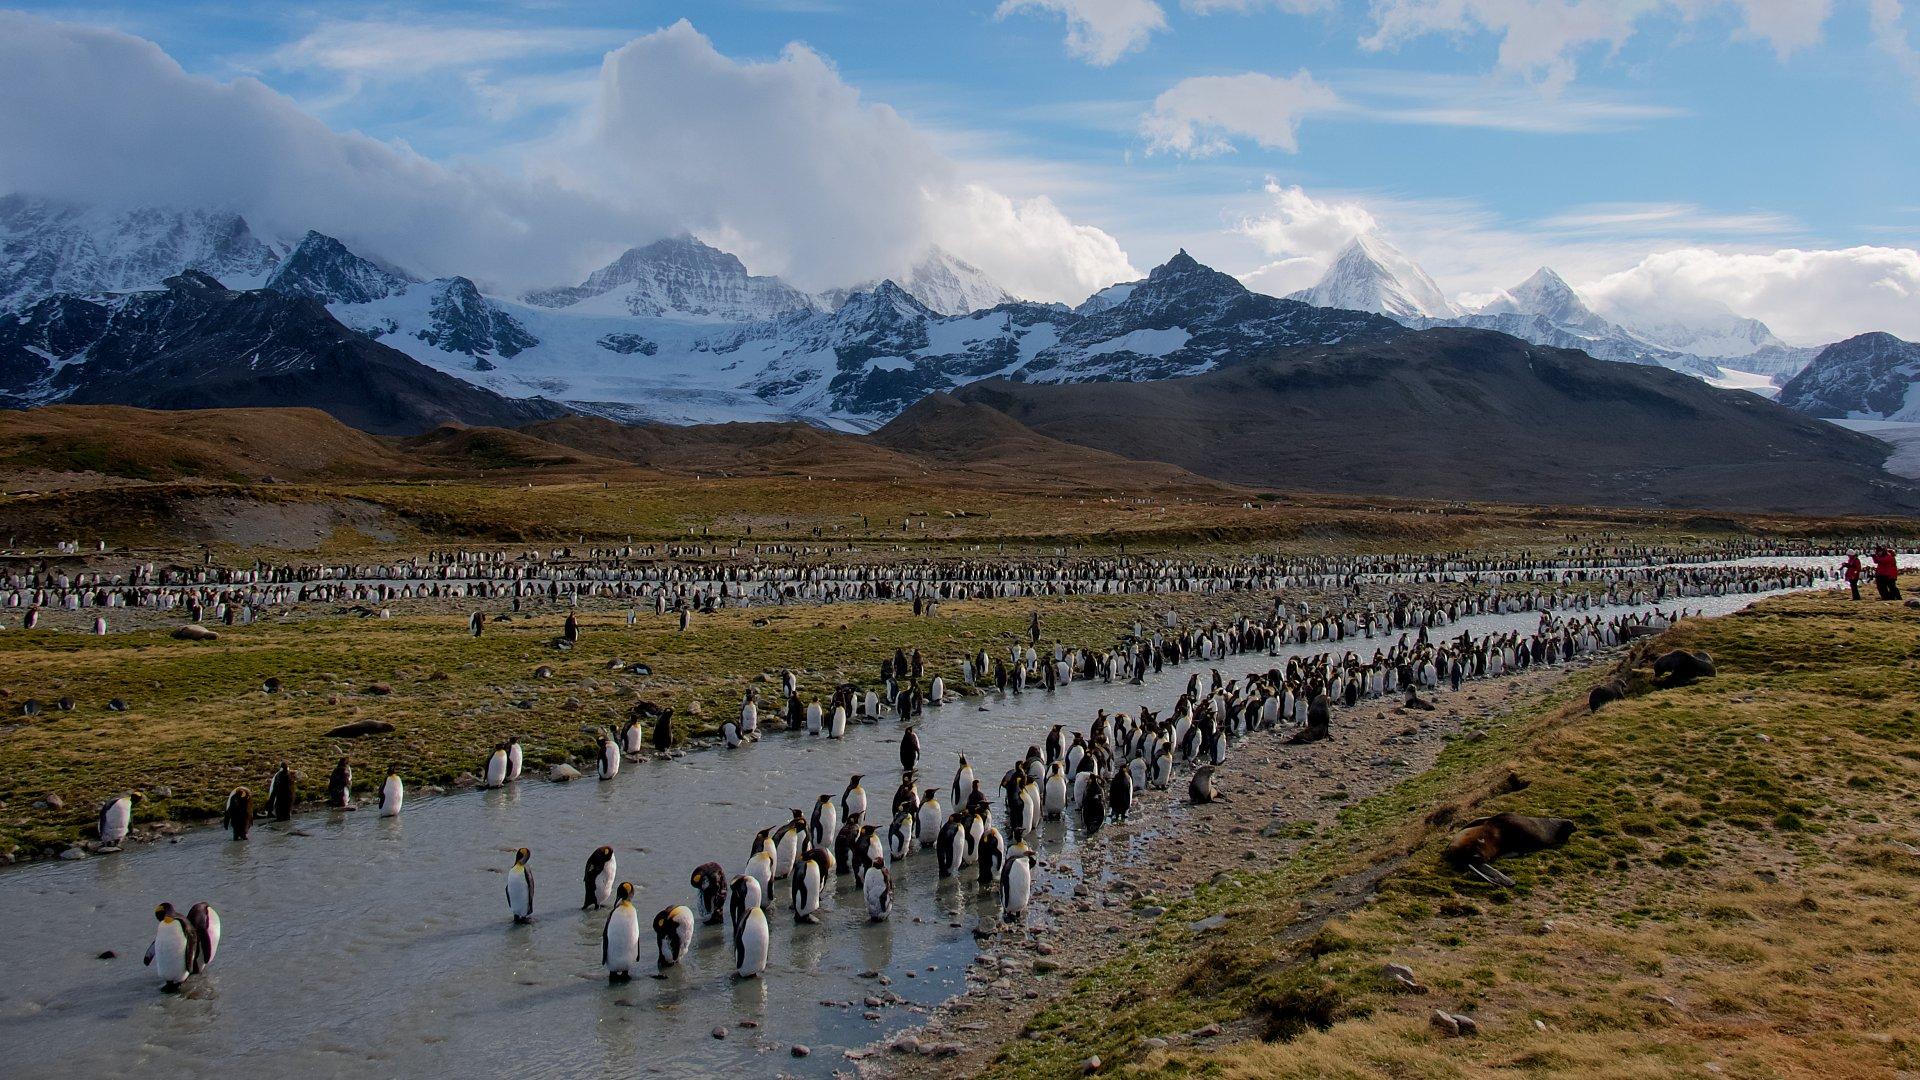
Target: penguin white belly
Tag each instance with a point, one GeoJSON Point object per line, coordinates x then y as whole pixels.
{"type": "Point", "coordinates": [496, 769]}
{"type": "Point", "coordinates": [603, 884]}
{"type": "Point", "coordinates": [785, 852]}
{"type": "Point", "coordinates": [837, 727]}
{"type": "Point", "coordinates": [519, 897]}
{"type": "Point", "coordinates": [115, 821]}
{"type": "Point", "coordinates": [514, 760]}
{"type": "Point", "coordinates": [609, 762]}
{"type": "Point", "coordinates": [212, 942]}
{"type": "Point", "coordinates": [622, 940]}
{"type": "Point", "coordinates": [750, 959]}
{"type": "Point", "coordinates": [1019, 888]}
{"type": "Point", "coordinates": [391, 796]}
{"type": "Point", "coordinates": [1056, 800]}
{"type": "Point", "coordinates": [169, 952]}
{"type": "Point", "coordinates": [879, 895]}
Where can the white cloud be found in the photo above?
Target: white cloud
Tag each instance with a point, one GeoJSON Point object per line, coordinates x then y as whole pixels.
{"type": "Point", "coordinates": [1807, 297]}
{"type": "Point", "coordinates": [99, 116]}
{"type": "Point", "coordinates": [378, 48]}
{"type": "Point", "coordinates": [1098, 31]}
{"type": "Point", "coordinates": [1297, 7]}
{"type": "Point", "coordinates": [1540, 39]}
{"type": "Point", "coordinates": [781, 160]}
{"type": "Point", "coordinates": [1297, 224]}
{"type": "Point", "coordinates": [1490, 102]}
{"type": "Point", "coordinates": [1200, 115]}
{"type": "Point", "coordinates": [1887, 20]}
{"type": "Point", "coordinates": [1666, 219]}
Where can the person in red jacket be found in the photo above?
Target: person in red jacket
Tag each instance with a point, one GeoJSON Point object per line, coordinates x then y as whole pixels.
{"type": "Point", "coordinates": [1886, 573]}
{"type": "Point", "coordinates": [1852, 572]}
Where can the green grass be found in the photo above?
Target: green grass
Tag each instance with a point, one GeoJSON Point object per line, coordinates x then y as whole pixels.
{"type": "Point", "coordinates": [1739, 891]}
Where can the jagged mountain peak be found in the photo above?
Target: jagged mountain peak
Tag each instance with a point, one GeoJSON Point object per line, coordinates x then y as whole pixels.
{"type": "Point", "coordinates": [323, 268]}
{"type": "Point", "coordinates": [1547, 295]}
{"type": "Point", "coordinates": [49, 246]}
{"type": "Point", "coordinates": [1370, 274]}
{"type": "Point", "coordinates": [1868, 376]}
{"type": "Point", "coordinates": [944, 282]}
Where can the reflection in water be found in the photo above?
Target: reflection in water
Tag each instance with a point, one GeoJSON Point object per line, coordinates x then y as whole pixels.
{"type": "Point", "coordinates": [354, 942]}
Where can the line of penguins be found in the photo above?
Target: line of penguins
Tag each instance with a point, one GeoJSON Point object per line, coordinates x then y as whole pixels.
{"type": "Point", "coordinates": [1093, 776]}
{"type": "Point", "coordinates": [232, 594]}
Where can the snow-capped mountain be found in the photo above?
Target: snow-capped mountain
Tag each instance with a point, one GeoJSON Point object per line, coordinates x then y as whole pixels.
{"type": "Point", "coordinates": [195, 344]}
{"type": "Point", "coordinates": [1546, 295]}
{"type": "Point", "coordinates": [321, 268]}
{"type": "Point", "coordinates": [1720, 334]}
{"type": "Point", "coordinates": [946, 284]}
{"type": "Point", "coordinates": [1869, 377]}
{"type": "Point", "coordinates": [49, 247]}
{"type": "Point", "coordinates": [678, 276]}
{"type": "Point", "coordinates": [1370, 274]}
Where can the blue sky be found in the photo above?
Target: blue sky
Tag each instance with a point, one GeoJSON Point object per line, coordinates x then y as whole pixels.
{"type": "Point", "coordinates": [1484, 137]}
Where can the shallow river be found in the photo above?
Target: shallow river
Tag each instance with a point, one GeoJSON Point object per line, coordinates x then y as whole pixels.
{"type": "Point", "coordinates": [382, 947]}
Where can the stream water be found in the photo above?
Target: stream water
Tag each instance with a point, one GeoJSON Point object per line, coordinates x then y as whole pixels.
{"type": "Point", "coordinates": [368, 946]}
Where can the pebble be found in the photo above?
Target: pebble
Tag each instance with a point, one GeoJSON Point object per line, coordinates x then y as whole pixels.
{"type": "Point", "coordinates": [562, 773]}
{"type": "Point", "coordinates": [719, 1033]}
{"type": "Point", "coordinates": [54, 802]}
{"type": "Point", "coordinates": [75, 852]}
{"type": "Point", "coordinates": [1152, 912]}
{"type": "Point", "coordinates": [798, 1050]}
{"type": "Point", "coordinates": [1092, 1064]}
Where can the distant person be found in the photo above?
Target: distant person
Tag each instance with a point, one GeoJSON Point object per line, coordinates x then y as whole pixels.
{"type": "Point", "coordinates": [1852, 570]}
{"type": "Point", "coordinates": [1886, 573]}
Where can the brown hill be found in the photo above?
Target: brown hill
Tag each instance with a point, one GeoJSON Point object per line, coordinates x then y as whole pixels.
{"type": "Point", "coordinates": [790, 448]}
{"type": "Point", "coordinates": [1472, 415]}
{"type": "Point", "coordinates": [148, 444]}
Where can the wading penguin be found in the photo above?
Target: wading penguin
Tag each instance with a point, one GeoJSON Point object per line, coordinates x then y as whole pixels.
{"type": "Point", "coordinates": [520, 887]}
{"type": "Point", "coordinates": [601, 867]}
{"type": "Point", "coordinates": [206, 923]}
{"type": "Point", "coordinates": [175, 952]}
{"type": "Point", "coordinates": [878, 888]}
{"type": "Point", "coordinates": [392, 794]}
{"type": "Point", "coordinates": [620, 938]}
{"type": "Point", "coordinates": [673, 933]}
{"type": "Point", "coordinates": [238, 816]}
{"type": "Point", "coordinates": [280, 793]}
{"type": "Point", "coordinates": [853, 801]}
{"type": "Point", "coordinates": [710, 882]}
{"type": "Point", "coordinates": [810, 876]}
{"type": "Point", "coordinates": [909, 750]}
{"type": "Point", "coordinates": [340, 786]}
{"type": "Point", "coordinates": [609, 759]}
{"type": "Point", "coordinates": [494, 774]}
{"type": "Point", "coordinates": [749, 932]}
{"type": "Point", "coordinates": [826, 822]}
{"type": "Point", "coordinates": [515, 758]}
{"type": "Point", "coordinates": [787, 841]}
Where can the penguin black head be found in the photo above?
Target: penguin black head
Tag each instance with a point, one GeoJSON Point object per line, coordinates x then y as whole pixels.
{"type": "Point", "coordinates": [521, 856]}
{"type": "Point", "coordinates": [136, 797]}
{"type": "Point", "coordinates": [625, 893]}
{"type": "Point", "coordinates": [164, 912]}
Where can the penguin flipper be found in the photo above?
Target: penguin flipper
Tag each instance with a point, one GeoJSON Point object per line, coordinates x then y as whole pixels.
{"type": "Point", "coordinates": [148, 961]}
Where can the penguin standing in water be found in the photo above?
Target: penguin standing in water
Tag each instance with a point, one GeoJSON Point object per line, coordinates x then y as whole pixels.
{"type": "Point", "coordinates": [1054, 799]}
{"type": "Point", "coordinates": [340, 786]}
{"type": "Point", "coordinates": [1120, 794]}
{"type": "Point", "coordinates": [673, 933]}
{"type": "Point", "coordinates": [909, 749]}
{"type": "Point", "coordinates": [494, 773]}
{"type": "Point", "coordinates": [809, 881]}
{"type": "Point", "coordinates": [730, 734]}
{"type": "Point", "coordinates": [663, 731]}
{"type": "Point", "coordinates": [749, 932]}
{"type": "Point", "coordinates": [238, 816]}
{"type": "Point", "coordinates": [902, 836]}
{"type": "Point", "coordinates": [280, 793]}
{"type": "Point", "coordinates": [929, 817]}
{"type": "Point", "coordinates": [1200, 789]}
{"type": "Point", "coordinates": [116, 818]}
{"type": "Point", "coordinates": [175, 952]}
{"type": "Point", "coordinates": [878, 887]}
{"type": "Point", "coordinates": [520, 887]}
{"type": "Point", "coordinates": [951, 847]}
{"type": "Point", "coordinates": [868, 852]}
{"type": "Point", "coordinates": [962, 781]}
{"type": "Point", "coordinates": [837, 724]}
{"type": "Point", "coordinates": [787, 842]}
{"type": "Point", "coordinates": [515, 758]}
{"type": "Point", "coordinates": [601, 868]}
{"type": "Point", "coordinates": [392, 794]}
{"type": "Point", "coordinates": [993, 850]}
{"type": "Point", "coordinates": [206, 923]}
{"type": "Point", "coordinates": [620, 937]}
{"type": "Point", "coordinates": [609, 759]}
{"type": "Point", "coordinates": [853, 801]}
{"type": "Point", "coordinates": [905, 799]}
{"type": "Point", "coordinates": [1093, 805]}
{"type": "Point", "coordinates": [826, 823]}
{"type": "Point", "coordinates": [1016, 883]}
{"type": "Point", "coordinates": [709, 881]}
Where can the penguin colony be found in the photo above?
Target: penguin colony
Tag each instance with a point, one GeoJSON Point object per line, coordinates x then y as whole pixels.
{"type": "Point", "coordinates": [649, 577]}
{"type": "Point", "coordinates": [987, 836]}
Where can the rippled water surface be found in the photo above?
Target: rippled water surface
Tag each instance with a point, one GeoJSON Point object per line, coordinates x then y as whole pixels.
{"type": "Point", "coordinates": [382, 946]}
